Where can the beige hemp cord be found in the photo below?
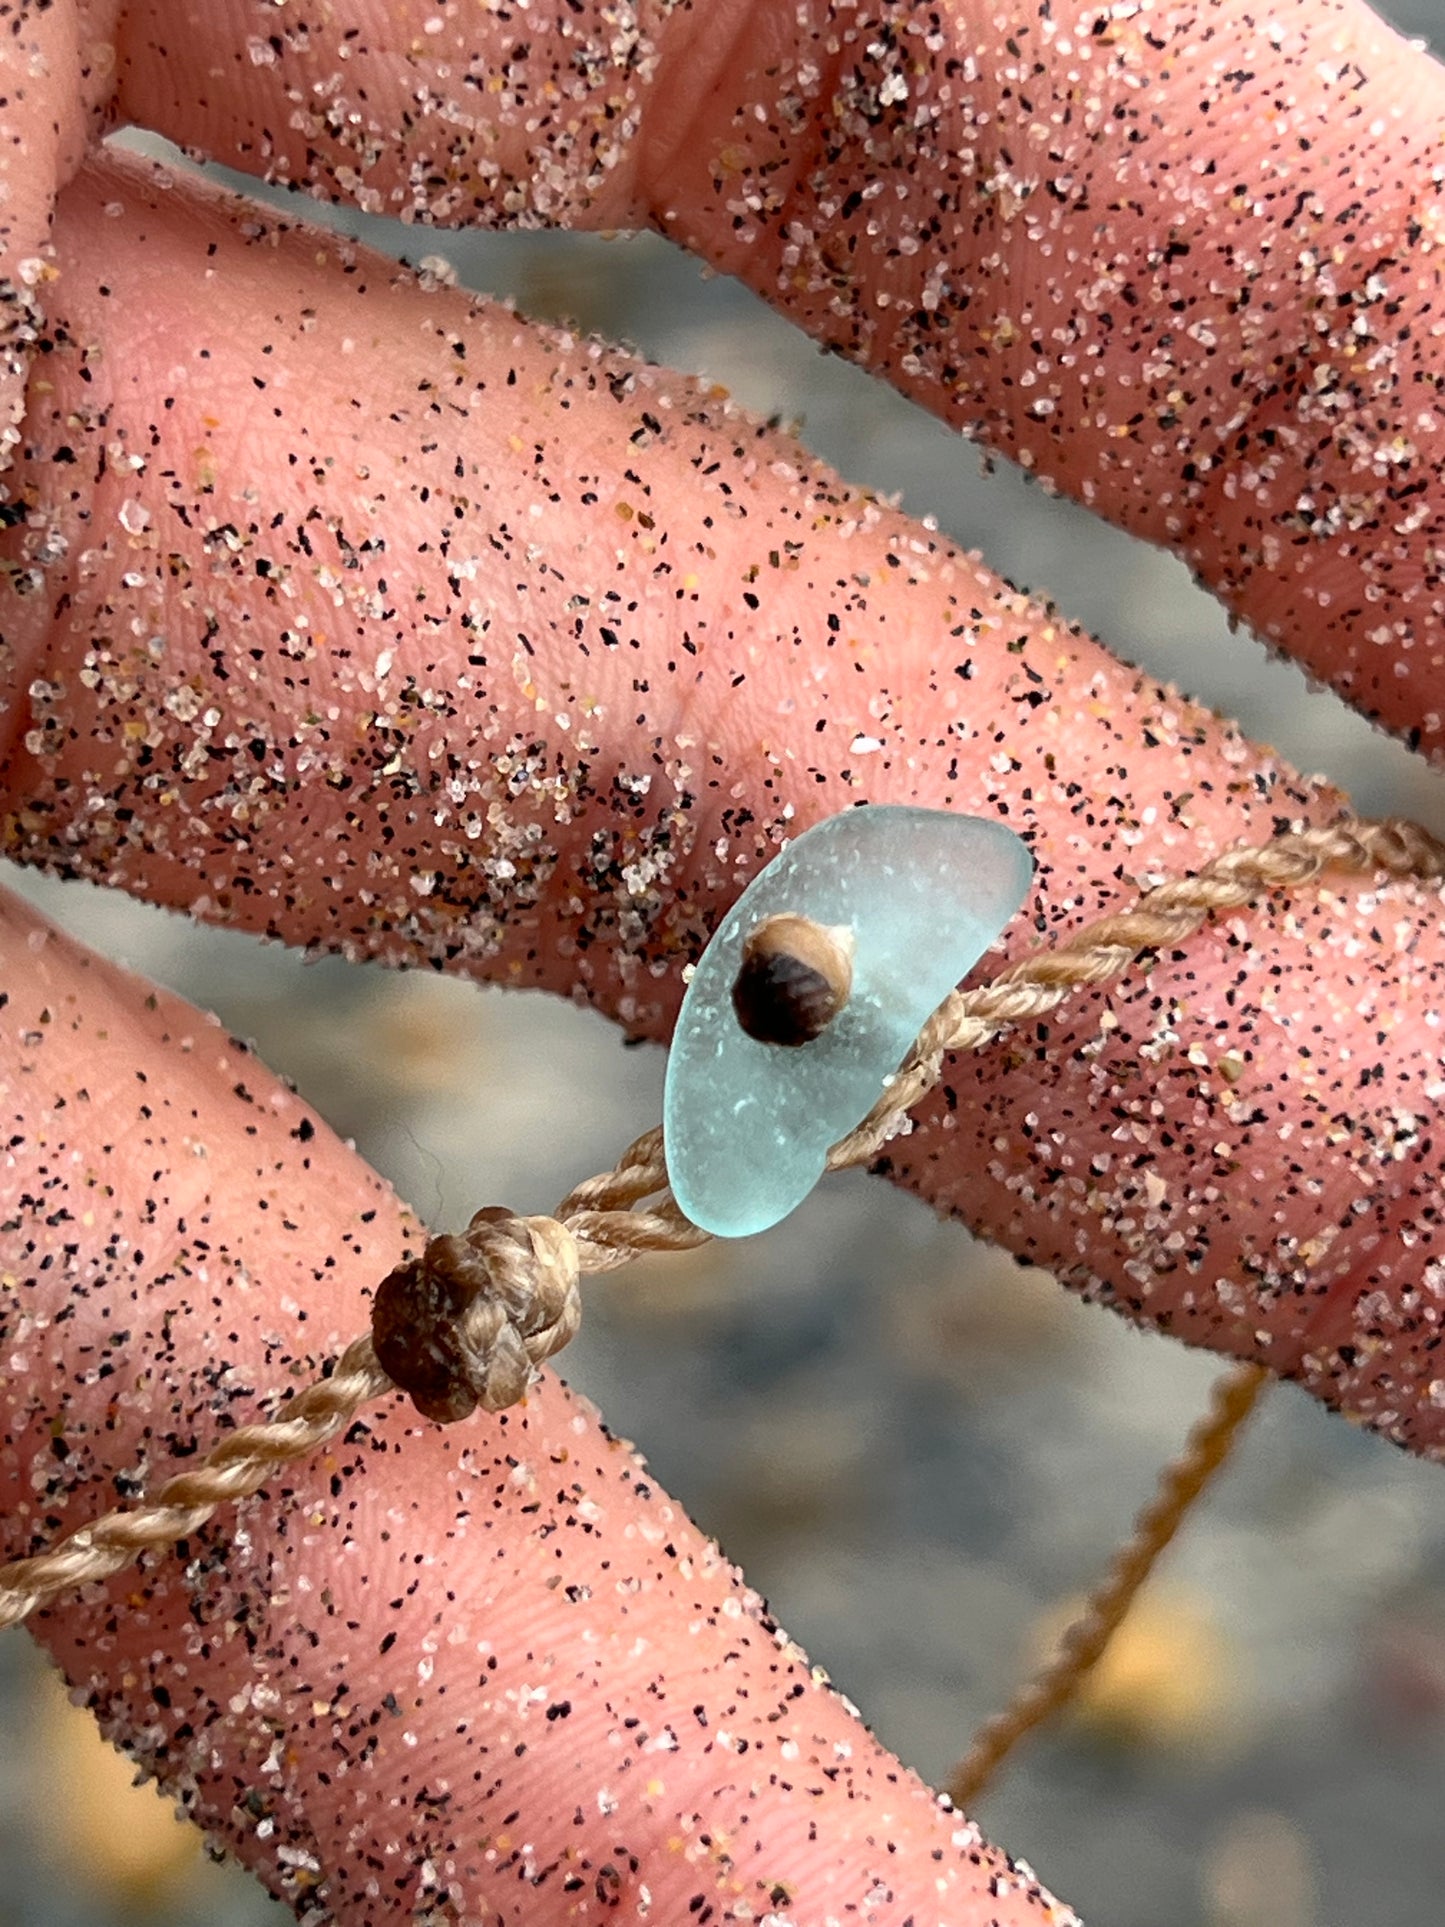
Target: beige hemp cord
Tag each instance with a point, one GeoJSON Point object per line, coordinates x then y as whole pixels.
{"type": "Point", "coordinates": [504, 1296]}
{"type": "Point", "coordinates": [1234, 1396]}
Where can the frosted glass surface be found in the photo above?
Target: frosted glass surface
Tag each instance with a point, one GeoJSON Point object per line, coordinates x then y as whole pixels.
{"type": "Point", "coordinates": [748, 1126]}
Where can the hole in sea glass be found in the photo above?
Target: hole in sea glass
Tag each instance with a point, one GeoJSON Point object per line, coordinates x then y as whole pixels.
{"type": "Point", "coordinates": [748, 1126]}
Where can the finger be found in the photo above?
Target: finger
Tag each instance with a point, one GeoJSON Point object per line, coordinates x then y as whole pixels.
{"type": "Point", "coordinates": [57, 71]}
{"type": "Point", "coordinates": [489, 1671]}
{"type": "Point", "coordinates": [1184, 268]}
{"type": "Point", "coordinates": [362, 637]}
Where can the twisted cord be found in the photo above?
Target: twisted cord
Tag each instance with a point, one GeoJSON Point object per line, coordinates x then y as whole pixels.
{"type": "Point", "coordinates": [1233, 1398]}
{"type": "Point", "coordinates": [472, 1319]}
{"type": "Point", "coordinates": [235, 1468]}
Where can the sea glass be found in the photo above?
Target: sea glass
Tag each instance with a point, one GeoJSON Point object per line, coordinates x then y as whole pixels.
{"type": "Point", "coordinates": [747, 1126]}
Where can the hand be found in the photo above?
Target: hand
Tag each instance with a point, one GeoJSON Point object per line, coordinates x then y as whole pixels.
{"type": "Point", "coordinates": [369, 617]}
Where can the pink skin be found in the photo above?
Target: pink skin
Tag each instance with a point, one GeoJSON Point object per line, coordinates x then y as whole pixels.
{"type": "Point", "coordinates": [480, 646]}
{"type": "Point", "coordinates": [1183, 263]}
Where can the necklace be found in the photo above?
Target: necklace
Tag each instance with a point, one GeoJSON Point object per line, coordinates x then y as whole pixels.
{"type": "Point", "coordinates": [470, 1320]}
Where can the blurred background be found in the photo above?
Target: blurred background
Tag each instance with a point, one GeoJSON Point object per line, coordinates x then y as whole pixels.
{"type": "Point", "coordinates": [920, 1453]}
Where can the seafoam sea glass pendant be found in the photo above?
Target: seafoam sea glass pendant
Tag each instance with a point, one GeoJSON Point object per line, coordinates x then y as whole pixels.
{"type": "Point", "coordinates": [911, 899]}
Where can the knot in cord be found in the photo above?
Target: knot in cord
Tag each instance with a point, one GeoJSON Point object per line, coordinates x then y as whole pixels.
{"type": "Point", "coordinates": [469, 1321]}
